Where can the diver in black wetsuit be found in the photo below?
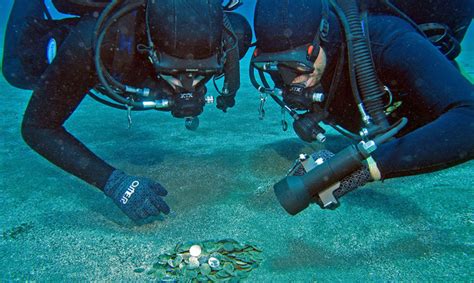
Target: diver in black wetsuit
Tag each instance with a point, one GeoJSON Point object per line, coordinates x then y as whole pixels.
{"type": "Point", "coordinates": [180, 50]}
{"type": "Point", "coordinates": [323, 65]}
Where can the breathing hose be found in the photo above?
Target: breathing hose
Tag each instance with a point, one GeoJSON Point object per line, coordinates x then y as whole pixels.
{"type": "Point", "coordinates": [101, 34]}
{"type": "Point", "coordinates": [103, 17]}
{"type": "Point", "coordinates": [232, 63]}
{"type": "Point", "coordinates": [104, 76]}
{"type": "Point", "coordinates": [365, 73]}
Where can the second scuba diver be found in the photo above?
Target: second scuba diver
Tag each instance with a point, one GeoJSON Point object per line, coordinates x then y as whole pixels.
{"type": "Point", "coordinates": [377, 77]}
{"type": "Point", "coordinates": [141, 54]}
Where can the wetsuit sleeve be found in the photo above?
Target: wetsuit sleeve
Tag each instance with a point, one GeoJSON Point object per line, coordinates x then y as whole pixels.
{"type": "Point", "coordinates": [439, 101]}
{"type": "Point", "coordinates": [60, 91]}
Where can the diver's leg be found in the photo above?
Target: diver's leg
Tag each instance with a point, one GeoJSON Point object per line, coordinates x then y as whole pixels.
{"type": "Point", "coordinates": [22, 12]}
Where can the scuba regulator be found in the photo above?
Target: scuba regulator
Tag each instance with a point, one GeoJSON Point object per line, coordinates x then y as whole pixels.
{"type": "Point", "coordinates": [292, 97]}
{"type": "Point", "coordinates": [323, 177]}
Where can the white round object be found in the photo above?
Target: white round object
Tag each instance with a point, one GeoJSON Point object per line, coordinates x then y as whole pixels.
{"type": "Point", "coordinates": [213, 262]}
{"type": "Point", "coordinates": [195, 251]}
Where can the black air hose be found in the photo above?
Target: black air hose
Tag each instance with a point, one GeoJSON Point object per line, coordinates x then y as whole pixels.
{"type": "Point", "coordinates": [104, 77]}
{"type": "Point", "coordinates": [112, 19]}
{"type": "Point", "coordinates": [103, 17]}
{"type": "Point", "coordinates": [232, 63]}
{"type": "Point", "coordinates": [366, 76]}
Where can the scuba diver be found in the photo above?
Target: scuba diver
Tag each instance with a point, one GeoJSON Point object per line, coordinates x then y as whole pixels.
{"type": "Point", "coordinates": [380, 73]}
{"type": "Point", "coordinates": [132, 55]}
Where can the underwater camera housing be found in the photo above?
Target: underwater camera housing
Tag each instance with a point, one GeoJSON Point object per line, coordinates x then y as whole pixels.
{"type": "Point", "coordinates": [323, 177]}
{"type": "Point", "coordinates": [295, 193]}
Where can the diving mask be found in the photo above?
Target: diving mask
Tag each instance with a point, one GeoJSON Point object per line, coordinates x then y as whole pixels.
{"type": "Point", "coordinates": [295, 95]}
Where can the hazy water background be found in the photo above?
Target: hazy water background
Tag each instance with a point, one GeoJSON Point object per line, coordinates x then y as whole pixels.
{"type": "Point", "coordinates": [412, 229]}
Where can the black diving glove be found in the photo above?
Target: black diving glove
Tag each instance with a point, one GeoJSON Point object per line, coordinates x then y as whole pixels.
{"type": "Point", "coordinates": [355, 180]}
{"type": "Point", "coordinates": [137, 197]}
{"type": "Point", "coordinates": [225, 101]}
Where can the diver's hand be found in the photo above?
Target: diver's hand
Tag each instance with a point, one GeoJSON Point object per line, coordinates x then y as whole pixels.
{"type": "Point", "coordinates": [137, 197]}
{"type": "Point", "coordinates": [225, 101]}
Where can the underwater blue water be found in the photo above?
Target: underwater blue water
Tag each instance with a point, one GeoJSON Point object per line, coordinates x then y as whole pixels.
{"type": "Point", "coordinates": [55, 227]}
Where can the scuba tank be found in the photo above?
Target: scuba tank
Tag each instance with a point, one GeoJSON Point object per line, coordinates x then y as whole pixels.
{"type": "Point", "coordinates": [444, 23]}
{"type": "Point", "coordinates": [31, 40]}
{"type": "Point", "coordinates": [455, 14]}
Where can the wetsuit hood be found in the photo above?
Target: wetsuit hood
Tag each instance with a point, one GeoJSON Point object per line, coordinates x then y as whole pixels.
{"type": "Point", "coordinates": [283, 27]}
{"type": "Point", "coordinates": [186, 29]}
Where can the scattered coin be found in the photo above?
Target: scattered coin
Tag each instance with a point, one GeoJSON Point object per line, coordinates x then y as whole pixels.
{"type": "Point", "coordinates": [168, 280]}
{"type": "Point", "coordinates": [205, 269]}
{"type": "Point", "coordinates": [193, 262]}
{"type": "Point", "coordinates": [213, 262]}
{"type": "Point", "coordinates": [195, 250]}
{"type": "Point", "coordinates": [228, 247]}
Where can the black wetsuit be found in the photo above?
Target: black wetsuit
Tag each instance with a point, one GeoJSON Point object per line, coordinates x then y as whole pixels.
{"type": "Point", "coordinates": [58, 93]}
{"type": "Point", "coordinates": [437, 100]}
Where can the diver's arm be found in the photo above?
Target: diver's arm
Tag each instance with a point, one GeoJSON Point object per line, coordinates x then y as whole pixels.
{"type": "Point", "coordinates": [439, 98]}
{"type": "Point", "coordinates": [65, 151]}
{"type": "Point", "coordinates": [43, 130]}
{"type": "Point", "coordinates": [61, 89]}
